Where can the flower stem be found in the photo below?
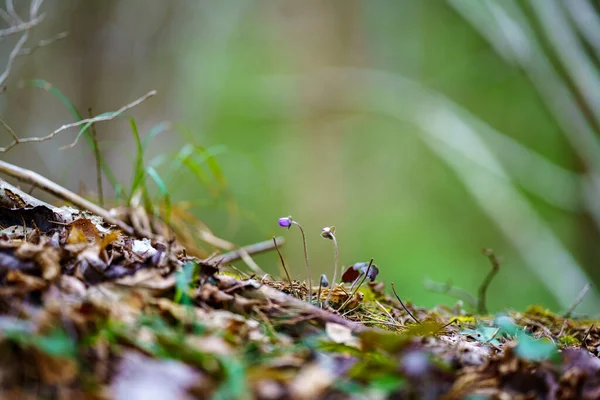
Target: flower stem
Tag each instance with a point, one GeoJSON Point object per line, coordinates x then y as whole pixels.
{"type": "Point", "coordinates": [335, 268]}
{"type": "Point", "coordinates": [305, 261]}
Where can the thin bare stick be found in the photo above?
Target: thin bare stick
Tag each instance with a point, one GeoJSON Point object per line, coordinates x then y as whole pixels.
{"type": "Point", "coordinates": [9, 129]}
{"type": "Point", "coordinates": [43, 43]}
{"type": "Point", "coordinates": [53, 188]}
{"type": "Point", "coordinates": [481, 306]}
{"type": "Point", "coordinates": [103, 117]}
{"type": "Point", "coordinates": [403, 306]}
{"type": "Point", "coordinates": [251, 249]}
{"type": "Point", "coordinates": [25, 26]}
{"type": "Point", "coordinates": [11, 57]}
{"type": "Point", "coordinates": [578, 300]}
{"type": "Point", "coordinates": [253, 289]}
{"type": "Point", "coordinates": [284, 267]}
{"type": "Point", "coordinates": [586, 335]}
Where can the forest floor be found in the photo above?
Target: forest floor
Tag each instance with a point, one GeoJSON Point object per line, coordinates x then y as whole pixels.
{"type": "Point", "coordinates": [87, 311]}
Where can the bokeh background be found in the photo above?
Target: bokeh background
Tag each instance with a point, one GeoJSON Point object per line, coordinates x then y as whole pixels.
{"type": "Point", "coordinates": [423, 130]}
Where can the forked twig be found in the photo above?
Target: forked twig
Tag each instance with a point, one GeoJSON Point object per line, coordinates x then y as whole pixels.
{"type": "Point", "coordinates": [102, 117]}
{"type": "Point", "coordinates": [578, 300]}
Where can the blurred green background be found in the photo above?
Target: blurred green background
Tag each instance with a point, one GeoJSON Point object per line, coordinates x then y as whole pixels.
{"type": "Point", "coordinates": [423, 130]}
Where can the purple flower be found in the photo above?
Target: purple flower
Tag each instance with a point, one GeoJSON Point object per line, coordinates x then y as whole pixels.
{"type": "Point", "coordinates": [285, 222]}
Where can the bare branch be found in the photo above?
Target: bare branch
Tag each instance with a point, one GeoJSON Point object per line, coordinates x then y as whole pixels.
{"type": "Point", "coordinates": [11, 58]}
{"type": "Point", "coordinates": [578, 300]}
{"type": "Point", "coordinates": [43, 43]}
{"type": "Point", "coordinates": [9, 129]}
{"type": "Point", "coordinates": [55, 189]}
{"type": "Point", "coordinates": [25, 26]}
{"type": "Point", "coordinates": [102, 117]}
{"type": "Point", "coordinates": [10, 8]}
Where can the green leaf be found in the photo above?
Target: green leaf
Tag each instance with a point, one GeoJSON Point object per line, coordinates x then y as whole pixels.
{"type": "Point", "coordinates": [483, 334]}
{"type": "Point", "coordinates": [234, 385]}
{"type": "Point", "coordinates": [57, 343]}
{"type": "Point", "coordinates": [532, 349]}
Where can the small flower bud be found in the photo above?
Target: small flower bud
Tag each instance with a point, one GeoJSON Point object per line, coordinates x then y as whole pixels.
{"type": "Point", "coordinates": [324, 281]}
{"type": "Point", "coordinates": [328, 232]}
{"type": "Point", "coordinates": [285, 222]}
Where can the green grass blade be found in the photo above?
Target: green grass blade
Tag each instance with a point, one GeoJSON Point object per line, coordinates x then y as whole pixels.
{"type": "Point", "coordinates": [139, 172]}
{"type": "Point", "coordinates": [53, 90]}
{"type": "Point", "coordinates": [156, 130]}
{"type": "Point", "coordinates": [151, 172]}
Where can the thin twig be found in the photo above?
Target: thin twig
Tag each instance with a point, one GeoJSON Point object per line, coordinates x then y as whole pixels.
{"type": "Point", "coordinates": [11, 57]}
{"type": "Point", "coordinates": [251, 249]}
{"type": "Point", "coordinates": [25, 26]}
{"type": "Point", "coordinates": [43, 43]}
{"type": "Point", "coordinates": [481, 307]}
{"type": "Point", "coordinates": [55, 189]}
{"type": "Point", "coordinates": [357, 287]}
{"type": "Point", "coordinates": [253, 289]}
{"type": "Point", "coordinates": [104, 117]}
{"type": "Point", "coordinates": [403, 306]}
{"type": "Point", "coordinates": [284, 267]}
{"type": "Point", "coordinates": [586, 335]}
{"type": "Point", "coordinates": [578, 300]}
{"type": "Point", "coordinates": [98, 163]}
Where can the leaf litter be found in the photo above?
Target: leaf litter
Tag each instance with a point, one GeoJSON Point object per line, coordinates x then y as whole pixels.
{"type": "Point", "coordinates": [89, 312]}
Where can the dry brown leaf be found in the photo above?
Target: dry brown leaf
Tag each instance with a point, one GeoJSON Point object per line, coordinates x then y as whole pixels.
{"type": "Point", "coordinates": [55, 370]}
{"type": "Point", "coordinates": [340, 295]}
{"type": "Point", "coordinates": [83, 228]}
{"type": "Point", "coordinates": [26, 282]}
{"type": "Point", "coordinates": [49, 261]}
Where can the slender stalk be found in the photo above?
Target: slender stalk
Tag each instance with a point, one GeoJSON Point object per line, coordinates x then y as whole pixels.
{"type": "Point", "coordinates": [329, 234]}
{"type": "Point", "coordinates": [403, 306]}
{"type": "Point", "coordinates": [305, 261]}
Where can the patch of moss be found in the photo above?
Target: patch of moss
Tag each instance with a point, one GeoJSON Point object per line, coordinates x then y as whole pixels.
{"type": "Point", "coordinates": [464, 320]}
{"type": "Point", "coordinates": [540, 311]}
{"type": "Point", "coordinates": [568, 341]}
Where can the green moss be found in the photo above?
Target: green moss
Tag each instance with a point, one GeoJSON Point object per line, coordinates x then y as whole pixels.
{"type": "Point", "coordinates": [568, 341]}
{"type": "Point", "coordinates": [464, 320]}
{"type": "Point", "coordinates": [540, 311]}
